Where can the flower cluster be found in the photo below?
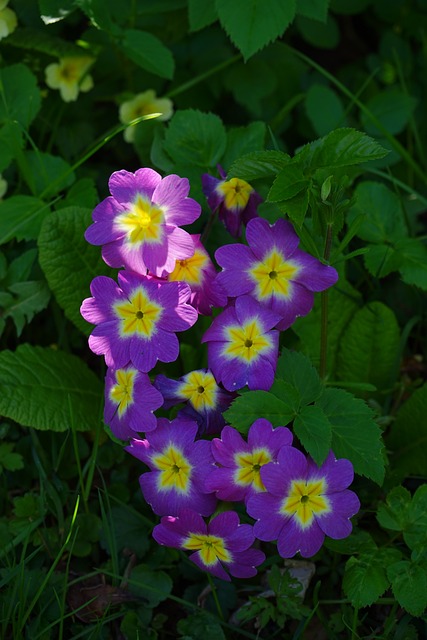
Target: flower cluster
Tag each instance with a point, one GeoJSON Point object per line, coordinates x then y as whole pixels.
{"type": "Point", "coordinates": [166, 279]}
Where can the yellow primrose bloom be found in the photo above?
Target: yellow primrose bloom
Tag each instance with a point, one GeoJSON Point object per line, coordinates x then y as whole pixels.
{"type": "Point", "coordinates": [142, 105]}
{"type": "Point", "coordinates": [3, 186]}
{"type": "Point", "coordinates": [70, 76]}
{"type": "Point", "coordinates": [8, 20]}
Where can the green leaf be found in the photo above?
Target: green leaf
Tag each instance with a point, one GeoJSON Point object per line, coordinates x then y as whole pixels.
{"type": "Point", "coordinates": [21, 218]}
{"type": "Point", "coordinates": [242, 140]}
{"type": "Point", "coordinates": [314, 431]}
{"type": "Point", "coordinates": [409, 584]}
{"type": "Point", "coordinates": [201, 13]}
{"type": "Point", "coordinates": [415, 534]}
{"type": "Point", "coordinates": [11, 143]}
{"type": "Point", "coordinates": [239, 80]}
{"type": "Point", "coordinates": [413, 262]}
{"type": "Point", "coordinates": [394, 514]}
{"type": "Point", "coordinates": [20, 97]}
{"type": "Point", "coordinates": [49, 173]}
{"type": "Point", "coordinates": [259, 164]}
{"type": "Point", "coordinates": [384, 216]}
{"type": "Point", "coordinates": [195, 138]}
{"type": "Point", "coordinates": [318, 34]}
{"type": "Point", "coordinates": [381, 260]}
{"type": "Point", "coordinates": [407, 437]}
{"type": "Point", "coordinates": [200, 625]}
{"type": "Point", "coordinates": [288, 183]}
{"type": "Point", "coordinates": [53, 11]}
{"type": "Point", "coordinates": [369, 347]}
{"type": "Point", "coordinates": [365, 577]}
{"type": "Point", "coordinates": [324, 109]}
{"type": "Point", "coordinates": [342, 148]}
{"type": "Point", "coordinates": [28, 299]}
{"type": "Point", "coordinates": [9, 460]}
{"type": "Point", "coordinates": [153, 586]}
{"type": "Point", "coordinates": [45, 42]}
{"type": "Point", "coordinates": [252, 24]}
{"type": "Point", "coordinates": [314, 9]}
{"type": "Point", "coordinates": [69, 262]}
{"type": "Point", "coordinates": [355, 435]}
{"type": "Point", "coordinates": [48, 389]}
{"type": "Point", "coordinates": [260, 404]}
{"type": "Point", "coordinates": [21, 267]}
{"type": "Point", "coordinates": [82, 194]}
{"type": "Point", "coordinates": [296, 208]}
{"type": "Point", "coordinates": [130, 531]}
{"type": "Point", "coordinates": [392, 107]}
{"type": "Point", "coordinates": [148, 52]}
{"type": "Point", "coordinates": [296, 369]}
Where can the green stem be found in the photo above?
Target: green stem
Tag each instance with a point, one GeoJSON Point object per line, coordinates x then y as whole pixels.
{"type": "Point", "coordinates": [215, 597]}
{"type": "Point", "coordinates": [324, 310]}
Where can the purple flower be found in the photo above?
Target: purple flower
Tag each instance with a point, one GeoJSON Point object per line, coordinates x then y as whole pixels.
{"type": "Point", "coordinates": [205, 399]}
{"type": "Point", "coordinates": [235, 200]}
{"type": "Point", "coordinates": [273, 270]}
{"type": "Point", "coordinates": [136, 322]}
{"type": "Point", "coordinates": [179, 467]}
{"type": "Point", "coordinates": [238, 476]}
{"type": "Point", "coordinates": [303, 502]}
{"type": "Point", "coordinates": [130, 400]}
{"type": "Point", "coordinates": [138, 225]}
{"type": "Point", "coordinates": [242, 347]}
{"type": "Point", "coordinates": [200, 274]}
{"type": "Point", "coordinates": [222, 544]}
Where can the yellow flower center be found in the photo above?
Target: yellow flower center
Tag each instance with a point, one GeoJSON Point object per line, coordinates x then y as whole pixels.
{"type": "Point", "coordinates": [200, 389]}
{"type": "Point", "coordinates": [272, 275]}
{"type": "Point", "coordinates": [143, 223]}
{"type": "Point", "coordinates": [305, 500]}
{"type": "Point", "coordinates": [247, 342]}
{"type": "Point", "coordinates": [236, 193]}
{"type": "Point", "coordinates": [122, 392]}
{"type": "Point", "coordinates": [190, 269]}
{"type": "Point", "coordinates": [138, 316]}
{"type": "Point", "coordinates": [175, 470]}
{"type": "Point", "coordinates": [249, 465]}
{"type": "Point", "coordinates": [212, 548]}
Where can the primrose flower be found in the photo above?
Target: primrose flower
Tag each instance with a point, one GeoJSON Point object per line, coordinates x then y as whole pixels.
{"type": "Point", "coordinates": [178, 468]}
{"type": "Point", "coordinates": [200, 274]}
{"type": "Point", "coordinates": [70, 76]}
{"type": "Point", "coordinates": [223, 544]}
{"type": "Point", "coordinates": [130, 400]}
{"type": "Point", "coordinates": [143, 104]}
{"type": "Point", "coordinates": [273, 270]}
{"type": "Point", "coordinates": [205, 400]}
{"type": "Point", "coordinates": [235, 200]}
{"type": "Point", "coordinates": [303, 502]}
{"type": "Point", "coordinates": [137, 320]}
{"type": "Point", "coordinates": [242, 347]}
{"type": "Point", "coordinates": [138, 225]}
{"type": "Point", "coordinates": [238, 476]}
{"type": "Point", "coordinates": [8, 20]}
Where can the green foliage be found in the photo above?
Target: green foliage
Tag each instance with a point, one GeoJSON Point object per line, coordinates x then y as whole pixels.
{"type": "Point", "coordinates": [10, 460]}
{"type": "Point", "coordinates": [365, 577]}
{"type": "Point", "coordinates": [148, 52]}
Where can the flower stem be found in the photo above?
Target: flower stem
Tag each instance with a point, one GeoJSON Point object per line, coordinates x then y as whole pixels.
{"type": "Point", "coordinates": [215, 597]}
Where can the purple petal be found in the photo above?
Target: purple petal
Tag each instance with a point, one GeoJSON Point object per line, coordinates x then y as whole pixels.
{"type": "Point", "coordinates": [236, 260]}
{"type": "Point", "coordinates": [171, 194]}
{"type": "Point", "coordinates": [224, 524]}
{"type": "Point", "coordinates": [216, 569]}
{"type": "Point", "coordinates": [294, 539]}
{"type": "Point", "coordinates": [263, 237]}
{"type": "Point", "coordinates": [244, 563]}
{"type": "Point", "coordinates": [261, 434]}
{"type": "Point", "coordinates": [265, 508]}
{"type": "Point", "coordinates": [125, 186]}
{"type": "Point", "coordinates": [313, 275]}
{"type": "Point", "coordinates": [336, 524]}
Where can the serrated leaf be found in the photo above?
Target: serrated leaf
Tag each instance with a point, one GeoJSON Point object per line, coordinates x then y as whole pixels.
{"type": "Point", "coordinates": [252, 24]}
{"type": "Point", "coordinates": [394, 513]}
{"type": "Point", "coordinates": [153, 586]}
{"type": "Point", "coordinates": [296, 369]}
{"type": "Point", "coordinates": [324, 109]}
{"type": "Point", "coordinates": [369, 347]}
{"type": "Point", "coordinates": [296, 208]}
{"type": "Point", "coordinates": [342, 148]}
{"type": "Point", "coordinates": [355, 435]}
{"type": "Point", "coordinates": [413, 262]}
{"type": "Point", "coordinates": [409, 585]}
{"type": "Point", "coordinates": [407, 437]}
{"type": "Point", "coordinates": [288, 183]}
{"type": "Point", "coordinates": [29, 298]}
{"type": "Point", "coordinates": [195, 138]}
{"type": "Point", "coordinates": [20, 97]}
{"type": "Point", "coordinates": [241, 141]}
{"type": "Point", "coordinates": [382, 259]}
{"type": "Point", "coordinates": [415, 534]}
{"type": "Point", "coordinates": [21, 218]}
{"type": "Point", "coordinates": [258, 404]}
{"type": "Point", "coordinates": [148, 52]}
{"type": "Point", "coordinates": [21, 267]}
{"type": "Point", "coordinates": [314, 432]}
{"type": "Point", "coordinates": [201, 13]}
{"type": "Point", "coordinates": [39, 387]}
{"type": "Point", "coordinates": [314, 9]}
{"type": "Point", "coordinates": [392, 107]}
{"type": "Point", "coordinates": [365, 577]}
{"type": "Point", "coordinates": [259, 164]}
{"type": "Point", "coordinates": [69, 262]}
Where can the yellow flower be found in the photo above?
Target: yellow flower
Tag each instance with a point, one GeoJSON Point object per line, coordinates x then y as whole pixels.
{"type": "Point", "coordinates": [142, 105]}
{"type": "Point", "coordinates": [3, 187]}
{"type": "Point", "coordinates": [8, 20]}
{"type": "Point", "coordinates": [70, 76]}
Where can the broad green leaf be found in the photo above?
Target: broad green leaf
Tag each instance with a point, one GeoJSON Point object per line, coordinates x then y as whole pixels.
{"type": "Point", "coordinates": [21, 267]}
{"type": "Point", "coordinates": [49, 174]}
{"type": "Point", "coordinates": [355, 435]}
{"type": "Point", "coordinates": [415, 534]}
{"type": "Point", "coordinates": [314, 9]}
{"type": "Point", "coordinates": [21, 218]}
{"type": "Point", "coordinates": [69, 262]}
{"type": "Point", "coordinates": [258, 404]}
{"type": "Point", "coordinates": [358, 541]}
{"type": "Point", "coordinates": [394, 513]}
{"type": "Point", "coordinates": [296, 369]}
{"type": "Point", "coordinates": [252, 24]}
{"type": "Point", "coordinates": [288, 183]}
{"type": "Point", "coordinates": [314, 432]}
{"type": "Point", "coordinates": [392, 107]}
{"type": "Point", "coordinates": [8, 459]}
{"type": "Point", "coordinates": [409, 584]}
{"type": "Point", "coordinates": [407, 437]}
{"type": "Point", "coordinates": [48, 389]}
{"type": "Point", "coordinates": [53, 11]}
{"type": "Point", "coordinates": [148, 52]}
{"type": "Point", "coordinates": [153, 586]}
{"type": "Point", "coordinates": [365, 577]}
{"type": "Point", "coordinates": [324, 109]}
{"type": "Point", "coordinates": [28, 299]}
{"type": "Point", "coordinates": [382, 259]}
{"type": "Point", "coordinates": [242, 140]}
{"type": "Point", "coordinates": [201, 13]}
{"type": "Point", "coordinates": [259, 164]}
{"type": "Point", "coordinates": [45, 42]}
{"type": "Point", "coordinates": [20, 97]}
{"type": "Point", "coordinates": [200, 625]}
{"type": "Point", "coordinates": [342, 148]}
{"type": "Point", "coordinates": [239, 80]}
{"type": "Point", "coordinates": [384, 216]}
{"type": "Point", "coordinates": [323, 35]}
{"type": "Point", "coordinates": [369, 347]}
{"type": "Point", "coordinates": [195, 138]}
{"type": "Point", "coordinates": [413, 262]}
{"type": "Point", "coordinates": [82, 194]}
{"type": "Point", "coordinates": [11, 143]}
{"type": "Point", "coordinates": [296, 208]}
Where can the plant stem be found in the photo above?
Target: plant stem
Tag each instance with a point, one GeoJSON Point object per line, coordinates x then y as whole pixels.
{"type": "Point", "coordinates": [215, 596]}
